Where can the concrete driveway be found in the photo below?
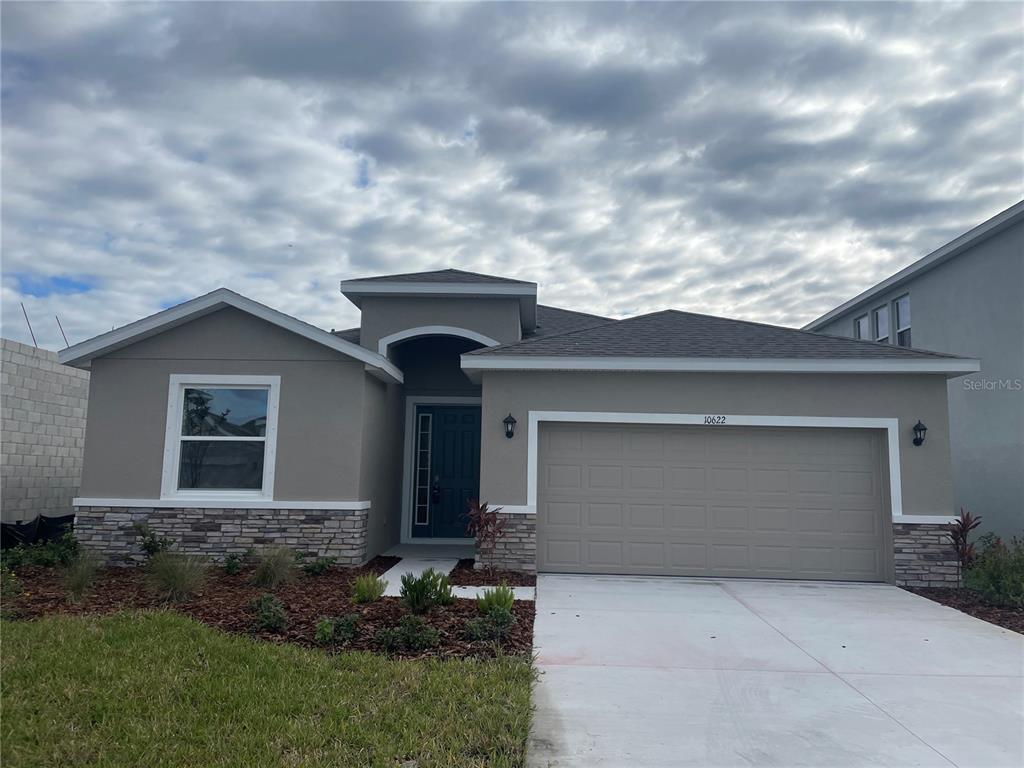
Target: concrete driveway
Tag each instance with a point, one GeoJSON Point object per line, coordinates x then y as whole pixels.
{"type": "Point", "coordinates": [673, 672]}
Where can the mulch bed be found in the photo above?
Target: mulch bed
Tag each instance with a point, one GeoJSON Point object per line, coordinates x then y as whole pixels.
{"type": "Point", "coordinates": [971, 603]}
{"type": "Point", "coordinates": [225, 600]}
{"type": "Point", "coordinates": [464, 575]}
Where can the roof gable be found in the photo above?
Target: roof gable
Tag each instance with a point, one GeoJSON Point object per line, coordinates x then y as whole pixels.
{"type": "Point", "coordinates": [80, 355]}
{"type": "Point", "coordinates": [439, 276]}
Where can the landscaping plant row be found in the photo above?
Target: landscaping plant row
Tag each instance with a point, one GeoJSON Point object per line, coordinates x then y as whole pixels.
{"type": "Point", "coordinates": [275, 595]}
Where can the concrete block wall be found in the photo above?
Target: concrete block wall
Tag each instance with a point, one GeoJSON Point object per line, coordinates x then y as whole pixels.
{"type": "Point", "coordinates": [42, 432]}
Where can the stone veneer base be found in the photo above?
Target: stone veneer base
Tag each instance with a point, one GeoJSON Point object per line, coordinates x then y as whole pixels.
{"type": "Point", "coordinates": [516, 550]}
{"type": "Point", "coordinates": [922, 552]}
{"type": "Point", "coordinates": [924, 555]}
{"type": "Point", "coordinates": [109, 531]}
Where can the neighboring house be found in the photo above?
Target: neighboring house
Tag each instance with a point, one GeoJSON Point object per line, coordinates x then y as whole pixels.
{"type": "Point", "coordinates": [966, 298]}
{"type": "Point", "coordinates": [42, 432]}
{"type": "Point", "coordinates": [671, 443]}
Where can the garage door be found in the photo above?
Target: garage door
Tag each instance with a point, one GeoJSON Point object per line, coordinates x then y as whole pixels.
{"type": "Point", "coordinates": [711, 501]}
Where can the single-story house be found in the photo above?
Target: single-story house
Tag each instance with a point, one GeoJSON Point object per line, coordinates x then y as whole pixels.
{"type": "Point", "coordinates": [671, 443]}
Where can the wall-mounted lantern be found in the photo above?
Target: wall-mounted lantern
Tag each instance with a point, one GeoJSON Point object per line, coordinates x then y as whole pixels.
{"type": "Point", "coordinates": [919, 430]}
{"type": "Point", "coordinates": [510, 426]}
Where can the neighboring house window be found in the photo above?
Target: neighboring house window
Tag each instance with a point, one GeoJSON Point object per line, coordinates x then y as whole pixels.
{"type": "Point", "coordinates": [903, 321]}
{"type": "Point", "coordinates": [881, 323]}
{"type": "Point", "coordinates": [221, 436]}
{"type": "Point", "coordinates": [861, 329]}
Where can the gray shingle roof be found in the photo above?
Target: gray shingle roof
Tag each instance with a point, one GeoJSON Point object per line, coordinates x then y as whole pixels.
{"type": "Point", "coordinates": [438, 276]}
{"type": "Point", "coordinates": [671, 333]}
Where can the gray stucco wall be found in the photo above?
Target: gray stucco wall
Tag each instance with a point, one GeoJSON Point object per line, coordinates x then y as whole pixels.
{"type": "Point", "coordinates": [927, 488]}
{"type": "Point", "coordinates": [972, 305]}
{"type": "Point", "coordinates": [319, 445]}
{"type": "Point", "coordinates": [497, 318]}
{"type": "Point", "coordinates": [381, 469]}
{"type": "Point", "coordinates": [42, 432]}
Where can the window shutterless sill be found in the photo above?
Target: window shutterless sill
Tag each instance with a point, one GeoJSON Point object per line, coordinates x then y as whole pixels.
{"type": "Point", "coordinates": [221, 503]}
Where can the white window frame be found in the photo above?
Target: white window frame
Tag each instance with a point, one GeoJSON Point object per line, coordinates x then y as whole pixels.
{"type": "Point", "coordinates": [874, 323]}
{"type": "Point", "coordinates": [172, 439]}
{"type": "Point", "coordinates": [856, 327]}
{"type": "Point", "coordinates": [896, 317]}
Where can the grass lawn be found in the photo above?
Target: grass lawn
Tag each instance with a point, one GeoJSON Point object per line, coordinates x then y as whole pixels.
{"type": "Point", "coordinates": [158, 689]}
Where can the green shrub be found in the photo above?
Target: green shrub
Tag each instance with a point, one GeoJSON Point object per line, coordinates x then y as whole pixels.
{"type": "Point", "coordinates": [997, 573]}
{"type": "Point", "coordinates": [233, 564]}
{"type": "Point", "coordinates": [151, 543]}
{"type": "Point", "coordinates": [493, 626]}
{"type": "Point", "coordinates": [274, 567]}
{"type": "Point", "coordinates": [367, 588]}
{"type": "Point", "coordinates": [79, 575]}
{"type": "Point", "coordinates": [59, 551]}
{"type": "Point", "coordinates": [412, 634]}
{"type": "Point", "coordinates": [10, 586]}
{"type": "Point", "coordinates": [443, 590]}
{"type": "Point", "coordinates": [175, 576]}
{"type": "Point", "coordinates": [423, 592]}
{"type": "Point", "coordinates": [501, 597]}
{"type": "Point", "coordinates": [342, 630]}
{"type": "Point", "coordinates": [318, 566]}
{"type": "Point", "coordinates": [269, 612]}
{"type": "Point", "coordinates": [324, 632]}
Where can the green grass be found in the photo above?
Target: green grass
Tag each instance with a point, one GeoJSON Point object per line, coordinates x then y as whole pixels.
{"type": "Point", "coordinates": [158, 689]}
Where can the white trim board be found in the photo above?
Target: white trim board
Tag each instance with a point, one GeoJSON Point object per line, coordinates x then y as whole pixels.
{"type": "Point", "coordinates": [473, 362]}
{"type": "Point", "coordinates": [408, 464]}
{"type": "Point", "coordinates": [433, 330]}
{"type": "Point", "coordinates": [225, 503]}
{"type": "Point", "coordinates": [890, 425]}
{"type": "Point", "coordinates": [81, 354]}
{"type": "Point", "coordinates": [357, 288]}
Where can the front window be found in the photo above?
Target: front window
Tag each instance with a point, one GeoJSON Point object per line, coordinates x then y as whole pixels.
{"type": "Point", "coordinates": [221, 433]}
{"type": "Point", "coordinates": [881, 323]}
{"type": "Point", "coordinates": [861, 329]}
{"type": "Point", "coordinates": [903, 321]}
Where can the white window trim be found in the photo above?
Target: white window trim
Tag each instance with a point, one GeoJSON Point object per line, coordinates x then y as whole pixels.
{"type": "Point", "coordinates": [856, 327]}
{"type": "Point", "coordinates": [211, 503]}
{"type": "Point", "coordinates": [169, 490]}
{"type": "Point", "coordinates": [891, 427]}
{"type": "Point", "coordinates": [887, 309]}
{"type": "Point", "coordinates": [896, 316]}
{"type": "Point", "coordinates": [409, 465]}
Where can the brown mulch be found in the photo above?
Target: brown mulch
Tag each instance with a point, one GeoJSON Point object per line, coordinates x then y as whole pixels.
{"type": "Point", "coordinates": [972, 603]}
{"type": "Point", "coordinates": [464, 575]}
{"type": "Point", "coordinates": [224, 603]}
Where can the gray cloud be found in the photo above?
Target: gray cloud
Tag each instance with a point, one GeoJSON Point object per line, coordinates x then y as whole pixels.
{"type": "Point", "coordinates": [761, 160]}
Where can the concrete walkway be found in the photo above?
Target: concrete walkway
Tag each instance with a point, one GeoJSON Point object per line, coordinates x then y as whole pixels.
{"type": "Point", "coordinates": [678, 672]}
{"type": "Point", "coordinates": [418, 564]}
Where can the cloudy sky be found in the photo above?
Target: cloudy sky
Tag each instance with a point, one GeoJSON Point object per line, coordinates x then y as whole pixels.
{"type": "Point", "coordinates": [759, 161]}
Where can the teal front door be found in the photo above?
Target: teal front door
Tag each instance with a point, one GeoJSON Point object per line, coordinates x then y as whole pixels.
{"type": "Point", "coordinates": [447, 471]}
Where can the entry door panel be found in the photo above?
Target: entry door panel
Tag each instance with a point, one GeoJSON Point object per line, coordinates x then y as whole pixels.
{"type": "Point", "coordinates": [454, 469]}
{"type": "Point", "coordinates": [711, 501]}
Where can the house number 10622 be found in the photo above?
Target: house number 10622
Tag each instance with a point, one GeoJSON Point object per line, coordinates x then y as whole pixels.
{"type": "Point", "coordinates": [714, 419]}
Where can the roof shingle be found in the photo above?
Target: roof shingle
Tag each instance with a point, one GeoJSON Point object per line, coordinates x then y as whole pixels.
{"type": "Point", "coordinates": [672, 333]}
{"type": "Point", "coordinates": [438, 276]}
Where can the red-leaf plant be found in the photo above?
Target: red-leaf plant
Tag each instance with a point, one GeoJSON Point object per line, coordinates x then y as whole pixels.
{"type": "Point", "coordinates": [959, 534]}
{"type": "Point", "coordinates": [486, 526]}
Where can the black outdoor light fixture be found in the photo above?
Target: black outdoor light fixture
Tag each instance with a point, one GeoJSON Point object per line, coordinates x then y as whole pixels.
{"type": "Point", "coordinates": [510, 426]}
{"type": "Point", "coordinates": [919, 430]}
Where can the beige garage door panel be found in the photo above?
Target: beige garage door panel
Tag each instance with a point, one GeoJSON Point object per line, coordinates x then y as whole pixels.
{"type": "Point", "coordinates": [711, 501]}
